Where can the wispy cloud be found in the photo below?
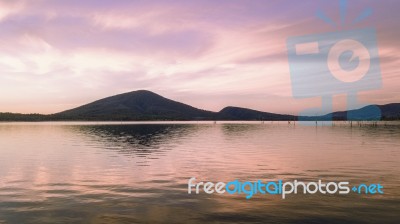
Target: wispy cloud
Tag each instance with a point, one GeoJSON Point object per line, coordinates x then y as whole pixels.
{"type": "Point", "coordinates": [60, 54]}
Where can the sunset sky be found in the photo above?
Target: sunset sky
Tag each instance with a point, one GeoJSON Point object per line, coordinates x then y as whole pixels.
{"type": "Point", "coordinates": [59, 54]}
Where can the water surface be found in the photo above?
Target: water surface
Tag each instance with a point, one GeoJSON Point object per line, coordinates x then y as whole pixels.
{"type": "Point", "coordinates": [138, 172]}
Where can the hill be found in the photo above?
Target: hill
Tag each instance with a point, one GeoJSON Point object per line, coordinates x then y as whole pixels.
{"type": "Point", "coordinates": [387, 112]}
{"type": "Point", "coordinates": [136, 105]}
{"type": "Point", "coordinates": [22, 117]}
{"type": "Point", "coordinates": [238, 113]}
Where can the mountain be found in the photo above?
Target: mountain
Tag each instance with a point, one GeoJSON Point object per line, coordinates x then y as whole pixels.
{"type": "Point", "coordinates": [370, 112]}
{"type": "Point", "coordinates": [22, 117]}
{"type": "Point", "coordinates": [136, 105]}
{"type": "Point", "coordinates": [390, 111]}
{"type": "Point", "coordinates": [146, 105]}
{"type": "Point", "coordinates": [238, 113]}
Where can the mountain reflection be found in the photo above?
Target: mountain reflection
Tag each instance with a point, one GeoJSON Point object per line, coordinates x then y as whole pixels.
{"type": "Point", "coordinates": [135, 140]}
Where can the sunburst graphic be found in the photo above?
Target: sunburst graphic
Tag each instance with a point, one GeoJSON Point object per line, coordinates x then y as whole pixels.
{"type": "Point", "coordinates": [343, 5]}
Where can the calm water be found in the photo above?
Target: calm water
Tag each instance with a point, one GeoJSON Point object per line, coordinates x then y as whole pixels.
{"type": "Point", "coordinates": [138, 173]}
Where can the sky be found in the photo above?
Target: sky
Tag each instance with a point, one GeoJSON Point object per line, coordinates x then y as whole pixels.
{"type": "Point", "coordinates": [60, 54]}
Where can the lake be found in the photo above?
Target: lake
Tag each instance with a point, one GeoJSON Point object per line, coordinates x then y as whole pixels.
{"type": "Point", "coordinates": [138, 172]}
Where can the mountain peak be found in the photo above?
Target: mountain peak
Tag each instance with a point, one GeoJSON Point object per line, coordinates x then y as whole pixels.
{"type": "Point", "coordinates": [142, 91]}
{"type": "Point", "coordinates": [136, 93]}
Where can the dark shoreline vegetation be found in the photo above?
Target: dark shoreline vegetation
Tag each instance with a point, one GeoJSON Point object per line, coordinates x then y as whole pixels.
{"type": "Point", "coordinates": [143, 105]}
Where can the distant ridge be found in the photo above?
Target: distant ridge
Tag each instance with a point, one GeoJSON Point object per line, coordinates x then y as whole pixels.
{"type": "Point", "coordinates": [239, 113]}
{"type": "Point", "coordinates": [143, 105]}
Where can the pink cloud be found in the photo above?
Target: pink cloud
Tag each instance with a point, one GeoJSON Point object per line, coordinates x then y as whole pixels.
{"type": "Point", "coordinates": [55, 55]}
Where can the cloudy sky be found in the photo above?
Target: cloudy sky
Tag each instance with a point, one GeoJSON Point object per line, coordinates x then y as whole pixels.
{"type": "Point", "coordinates": [59, 54]}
